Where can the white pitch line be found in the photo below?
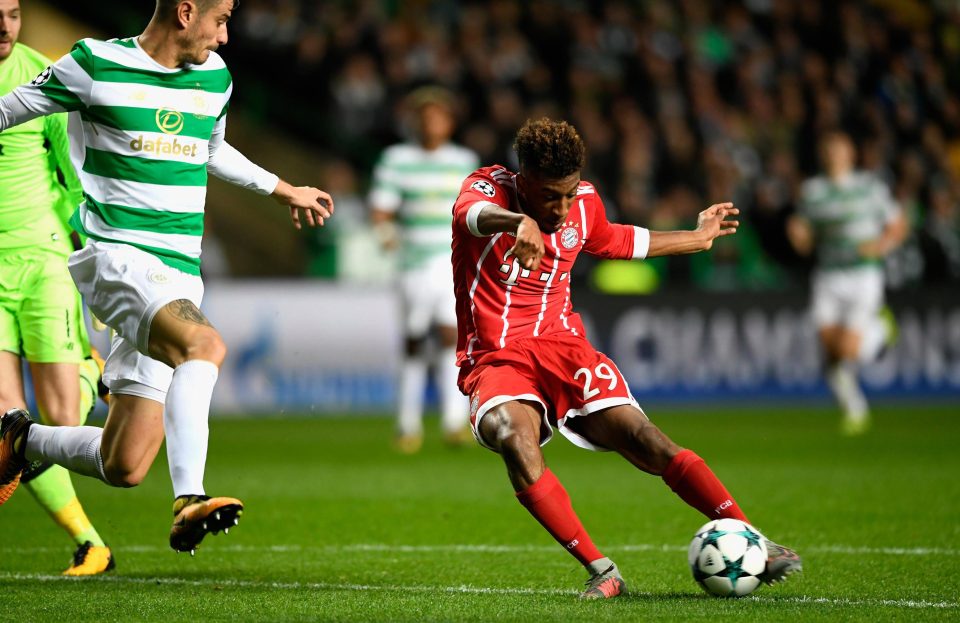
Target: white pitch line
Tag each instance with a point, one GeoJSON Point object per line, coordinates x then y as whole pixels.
{"type": "Point", "coordinates": [462, 589]}
{"type": "Point", "coordinates": [496, 549]}
{"type": "Point", "coordinates": [336, 586]}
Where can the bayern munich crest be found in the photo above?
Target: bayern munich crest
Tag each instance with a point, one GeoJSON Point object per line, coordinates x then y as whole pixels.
{"type": "Point", "coordinates": [569, 237]}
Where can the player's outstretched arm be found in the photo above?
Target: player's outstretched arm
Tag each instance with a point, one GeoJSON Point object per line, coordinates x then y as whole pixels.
{"type": "Point", "coordinates": [13, 111]}
{"type": "Point", "coordinates": [227, 163]}
{"type": "Point", "coordinates": [714, 222]}
{"type": "Point", "coordinates": [316, 205]}
{"type": "Point", "coordinates": [528, 249]}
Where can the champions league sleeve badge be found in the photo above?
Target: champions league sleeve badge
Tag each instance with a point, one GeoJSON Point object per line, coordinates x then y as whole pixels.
{"type": "Point", "coordinates": [41, 79]}
{"type": "Point", "coordinates": [484, 187]}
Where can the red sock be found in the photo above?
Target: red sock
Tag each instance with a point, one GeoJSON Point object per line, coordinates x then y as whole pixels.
{"type": "Point", "coordinates": [698, 486]}
{"type": "Point", "coordinates": [548, 501]}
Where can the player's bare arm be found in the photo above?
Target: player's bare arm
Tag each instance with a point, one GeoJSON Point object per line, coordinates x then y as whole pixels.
{"type": "Point", "coordinates": [892, 236]}
{"type": "Point", "coordinates": [714, 222]}
{"type": "Point", "coordinates": [528, 248]}
{"type": "Point", "coordinates": [385, 228]}
{"type": "Point", "coordinates": [800, 234]}
{"type": "Point", "coordinates": [316, 205]}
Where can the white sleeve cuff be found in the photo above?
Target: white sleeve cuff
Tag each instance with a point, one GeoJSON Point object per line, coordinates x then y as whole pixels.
{"type": "Point", "coordinates": [384, 200]}
{"type": "Point", "coordinates": [641, 242]}
{"type": "Point", "coordinates": [473, 214]}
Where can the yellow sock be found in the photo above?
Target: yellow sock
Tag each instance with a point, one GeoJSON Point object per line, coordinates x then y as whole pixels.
{"type": "Point", "coordinates": [54, 491]}
{"type": "Point", "coordinates": [89, 375]}
{"type": "Point", "coordinates": [53, 488]}
{"type": "Point", "coordinates": [72, 518]}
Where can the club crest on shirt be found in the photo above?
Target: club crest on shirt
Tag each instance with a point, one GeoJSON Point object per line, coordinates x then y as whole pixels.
{"type": "Point", "coordinates": [484, 187]}
{"type": "Point", "coordinates": [569, 237]}
{"type": "Point", "coordinates": [158, 277]}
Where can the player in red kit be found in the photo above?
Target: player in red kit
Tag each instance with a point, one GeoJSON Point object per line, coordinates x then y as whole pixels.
{"type": "Point", "coordinates": [524, 360]}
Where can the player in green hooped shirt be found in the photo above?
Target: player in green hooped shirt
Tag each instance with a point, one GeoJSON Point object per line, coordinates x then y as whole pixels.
{"type": "Point", "coordinates": [848, 221]}
{"type": "Point", "coordinates": [148, 117]}
{"type": "Point", "coordinates": [41, 316]}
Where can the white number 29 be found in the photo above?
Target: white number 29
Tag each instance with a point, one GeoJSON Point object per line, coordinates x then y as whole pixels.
{"type": "Point", "coordinates": [603, 371]}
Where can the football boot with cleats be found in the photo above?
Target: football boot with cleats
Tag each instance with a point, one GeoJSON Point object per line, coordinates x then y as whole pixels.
{"type": "Point", "coordinates": [90, 559]}
{"type": "Point", "coordinates": [781, 562]}
{"type": "Point", "coordinates": [194, 516]}
{"type": "Point", "coordinates": [604, 585]}
{"type": "Point", "coordinates": [14, 425]}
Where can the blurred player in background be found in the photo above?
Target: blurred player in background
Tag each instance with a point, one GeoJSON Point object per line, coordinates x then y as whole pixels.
{"type": "Point", "coordinates": [849, 222]}
{"type": "Point", "coordinates": [414, 185]}
{"type": "Point", "coordinates": [41, 315]}
{"type": "Point", "coordinates": [525, 361]}
{"type": "Point", "coordinates": [150, 121]}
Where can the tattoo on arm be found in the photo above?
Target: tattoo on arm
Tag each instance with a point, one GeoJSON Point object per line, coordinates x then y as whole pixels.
{"type": "Point", "coordinates": [186, 310]}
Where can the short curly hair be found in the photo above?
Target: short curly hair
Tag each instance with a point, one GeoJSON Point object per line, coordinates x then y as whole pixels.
{"type": "Point", "coordinates": [166, 8]}
{"type": "Point", "coordinates": [552, 149]}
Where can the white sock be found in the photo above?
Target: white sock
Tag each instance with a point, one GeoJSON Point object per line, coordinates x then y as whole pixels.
{"type": "Point", "coordinates": [842, 379]}
{"type": "Point", "coordinates": [872, 340]}
{"type": "Point", "coordinates": [453, 404]}
{"type": "Point", "coordinates": [185, 424]}
{"type": "Point", "coordinates": [413, 381]}
{"type": "Point", "coordinates": [599, 565]}
{"type": "Point", "coordinates": [75, 447]}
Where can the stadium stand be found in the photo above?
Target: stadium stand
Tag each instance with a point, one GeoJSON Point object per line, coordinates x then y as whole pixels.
{"type": "Point", "coordinates": [681, 104]}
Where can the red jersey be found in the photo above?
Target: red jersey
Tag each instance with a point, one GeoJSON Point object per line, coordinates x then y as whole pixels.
{"type": "Point", "coordinates": [498, 301]}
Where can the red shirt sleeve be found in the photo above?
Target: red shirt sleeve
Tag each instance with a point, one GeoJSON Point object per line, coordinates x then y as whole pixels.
{"type": "Point", "coordinates": [606, 239]}
{"type": "Point", "coordinates": [479, 187]}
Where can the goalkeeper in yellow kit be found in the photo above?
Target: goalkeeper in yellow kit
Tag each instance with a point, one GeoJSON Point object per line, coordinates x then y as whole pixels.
{"type": "Point", "coordinates": [41, 317]}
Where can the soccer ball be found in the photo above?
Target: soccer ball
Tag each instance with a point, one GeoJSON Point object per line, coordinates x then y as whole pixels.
{"type": "Point", "coordinates": [726, 556]}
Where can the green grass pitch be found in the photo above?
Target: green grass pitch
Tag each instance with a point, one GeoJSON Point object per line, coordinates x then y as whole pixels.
{"type": "Point", "coordinates": [338, 527]}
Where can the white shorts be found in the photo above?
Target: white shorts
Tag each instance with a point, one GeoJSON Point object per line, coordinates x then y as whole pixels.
{"type": "Point", "coordinates": [849, 297]}
{"type": "Point", "coordinates": [124, 288]}
{"type": "Point", "coordinates": [427, 298]}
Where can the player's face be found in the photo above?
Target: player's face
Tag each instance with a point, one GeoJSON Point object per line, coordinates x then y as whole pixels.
{"type": "Point", "coordinates": [208, 32]}
{"type": "Point", "coordinates": [547, 201]}
{"type": "Point", "coordinates": [436, 124]}
{"type": "Point", "coordinates": [9, 26]}
{"type": "Point", "coordinates": [838, 154]}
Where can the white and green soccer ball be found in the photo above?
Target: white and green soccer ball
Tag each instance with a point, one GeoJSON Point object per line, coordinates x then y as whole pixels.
{"type": "Point", "coordinates": [727, 556]}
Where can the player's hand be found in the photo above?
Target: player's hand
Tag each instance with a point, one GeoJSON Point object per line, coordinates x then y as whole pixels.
{"type": "Point", "coordinates": [872, 249]}
{"type": "Point", "coordinates": [385, 230]}
{"type": "Point", "coordinates": [528, 248]}
{"type": "Point", "coordinates": [715, 222]}
{"type": "Point", "coordinates": [315, 204]}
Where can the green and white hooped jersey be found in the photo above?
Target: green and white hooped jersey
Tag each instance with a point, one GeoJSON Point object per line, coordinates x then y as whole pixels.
{"type": "Point", "coordinates": [421, 186]}
{"type": "Point", "coordinates": [844, 214]}
{"type": "Point", "coordinates": [139, 136]}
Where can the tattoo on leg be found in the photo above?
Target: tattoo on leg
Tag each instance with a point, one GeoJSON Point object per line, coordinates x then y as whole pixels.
{"type": "Point", "coordinates": [186, 310]}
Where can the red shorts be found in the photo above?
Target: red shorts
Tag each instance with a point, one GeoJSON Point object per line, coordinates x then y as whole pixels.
{"type": "Point", "coordinates": [565, 374]}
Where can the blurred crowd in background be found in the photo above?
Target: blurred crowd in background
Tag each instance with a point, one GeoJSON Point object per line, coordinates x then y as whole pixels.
{"type": "Point", "coordinates": [681, 104]}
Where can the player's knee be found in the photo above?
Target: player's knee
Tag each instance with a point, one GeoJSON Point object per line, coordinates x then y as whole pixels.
{"type": "Point", "coordinates": [119, 474]}
{"type": "Point", "coordinates": [208, 346]}
{"type": "Point", "coordinates": [651, 445]}
{"type": "Point", "coordinates": [509, 434]}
